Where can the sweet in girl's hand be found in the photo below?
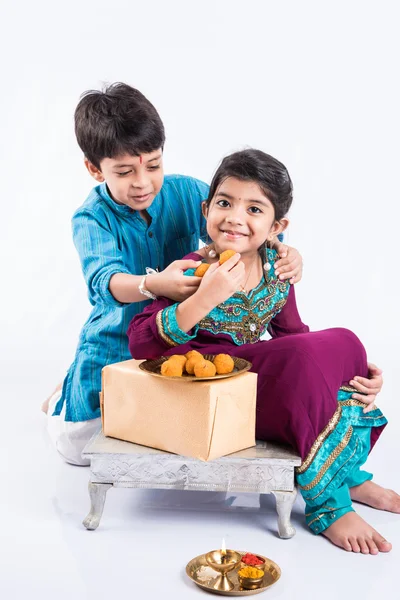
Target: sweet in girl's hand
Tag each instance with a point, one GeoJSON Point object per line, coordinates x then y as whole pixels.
{"type": "Point", "coordinates": [201, 269]}
{"type": "Point", "coordinates": [226, 255]}
{"type": "Point", "coordinates": [204, 368]}
{"type": "Point", "coordinates": [171, 368]}
{"type": "Point", "coordinates": [223, 363]}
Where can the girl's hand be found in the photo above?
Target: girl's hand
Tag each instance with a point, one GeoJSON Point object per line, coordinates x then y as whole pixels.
{"type": "Point", "coordinates": [370, 386]}
{"type": "Point", "coordinates": [172, 283]}
{"type": "Point", "coordinates": [290, 264]}
{"type": "Point", "coordinates": [220, 282]}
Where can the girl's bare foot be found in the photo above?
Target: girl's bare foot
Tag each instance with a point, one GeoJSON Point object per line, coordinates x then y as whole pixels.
{"type": "Point", "coordinates": [376, 496]}
{"type": "Point", "coordinates": [354, 534]}
{"type": "Point", "coordinates": [45, 405]}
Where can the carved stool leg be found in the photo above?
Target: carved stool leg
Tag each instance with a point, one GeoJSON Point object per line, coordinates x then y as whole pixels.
{"type": "Point", "coordinates": [284, 505]}
{"type": "Point", "coordinates": [97, 492]}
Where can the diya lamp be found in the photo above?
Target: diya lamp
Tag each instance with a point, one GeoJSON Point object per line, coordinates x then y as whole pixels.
{"type": "Point", "coordinates": [223, 561]}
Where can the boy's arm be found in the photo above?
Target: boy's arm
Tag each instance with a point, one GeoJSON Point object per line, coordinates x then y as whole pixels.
{"type": "Point", "coordinates": [107, 277]}
{"type": "Point", "coordinates": [287, 321]}
{"type": "Point", "coordinates": [101, 259]}
{"type": "Point", "coordinates": [290, 264]}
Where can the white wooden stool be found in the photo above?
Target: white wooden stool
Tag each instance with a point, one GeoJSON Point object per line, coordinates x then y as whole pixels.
{"type": "Point", "coordinates": [264, 469]}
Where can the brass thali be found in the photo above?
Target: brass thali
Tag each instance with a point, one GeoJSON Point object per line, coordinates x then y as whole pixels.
{"type": "Point", "coordinates": [204, 576]}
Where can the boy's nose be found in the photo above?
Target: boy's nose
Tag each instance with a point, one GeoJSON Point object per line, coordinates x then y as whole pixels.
{"type": "Point", "coordinates": [141, 180]}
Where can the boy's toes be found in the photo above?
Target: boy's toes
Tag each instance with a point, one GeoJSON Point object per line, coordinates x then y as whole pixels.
{"type": "Point", "coordinates": [363, 545]}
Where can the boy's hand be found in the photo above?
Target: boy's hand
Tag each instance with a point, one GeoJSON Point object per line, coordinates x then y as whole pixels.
{"type": "Point", "coordinates": [370, 386]}
{"type": "Point", "coordinates": [290, 264]}
{"type": "Point", "coordinates": [220, 282]}
{"type": "Point", "coordinates": [172, 283]}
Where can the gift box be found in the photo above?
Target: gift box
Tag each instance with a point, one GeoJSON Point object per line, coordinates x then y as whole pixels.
{"type": "Point", "coordinates": [202, 419]}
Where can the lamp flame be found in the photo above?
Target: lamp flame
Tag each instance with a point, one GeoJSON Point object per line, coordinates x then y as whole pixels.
{"type": "Point", "coordinates": [223, 547]}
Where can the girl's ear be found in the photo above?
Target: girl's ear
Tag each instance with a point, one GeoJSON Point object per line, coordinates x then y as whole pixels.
{"type": "Point", "coordinates": [204, 209]}
{"type": "Point", "coordinates": [277, 228]}
{"type": "Point", "coordinates": [94, 171]}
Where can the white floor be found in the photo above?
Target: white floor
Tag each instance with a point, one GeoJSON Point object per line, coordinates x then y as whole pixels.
{"type": "Point", "coordinates": [146, 538]}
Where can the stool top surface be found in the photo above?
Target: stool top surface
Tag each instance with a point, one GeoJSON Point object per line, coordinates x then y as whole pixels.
{"type": "Point", "coordinates": [100, 445]}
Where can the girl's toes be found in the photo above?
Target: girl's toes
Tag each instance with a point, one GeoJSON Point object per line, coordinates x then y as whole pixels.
{"type": "Point", "coordinates": [363, 546]}
{"type": "Point", "coordinates": [346, 545]}
{"type": "Point", "coordinates": [354, 545]}
{"type": "Point", "coordinates": [382, 544]}
{"type": "Point", "coordinates": [373, 549]}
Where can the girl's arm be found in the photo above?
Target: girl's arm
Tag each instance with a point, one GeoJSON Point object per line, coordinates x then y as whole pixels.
{"type": "Point", "coordinates": [163, 325]}
{"type": "Point", "coordinates": [287, 321]}
{"type": "Point", "coordinates": [145, 339]}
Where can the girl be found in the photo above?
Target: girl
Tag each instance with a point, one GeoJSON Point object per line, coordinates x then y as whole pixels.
{"type": "Point", "coordinates": [305, 380]}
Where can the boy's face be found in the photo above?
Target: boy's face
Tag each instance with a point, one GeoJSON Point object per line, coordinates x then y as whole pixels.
{"type": "Point", "coordinates": [132, 180]}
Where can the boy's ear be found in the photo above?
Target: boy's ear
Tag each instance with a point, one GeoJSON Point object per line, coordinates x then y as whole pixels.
{"type": "Point", "coordinates": [204, 209]}
{"type": "Point", "coordinates": [94, 171]}
{"type": "Point", "coordinates": [277, 228]}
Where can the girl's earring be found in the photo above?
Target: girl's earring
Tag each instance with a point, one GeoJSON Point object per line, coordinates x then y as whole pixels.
{"type": "Point", "coordinates": [210, 250]}
{"type": "Point", "coordinates": [267, 266]}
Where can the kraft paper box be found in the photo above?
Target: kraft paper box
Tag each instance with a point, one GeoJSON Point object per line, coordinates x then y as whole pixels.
{"type": "Point", "coordinates": [202, 419]}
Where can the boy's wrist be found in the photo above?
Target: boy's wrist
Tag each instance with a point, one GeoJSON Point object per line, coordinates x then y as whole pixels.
{"type": "Point", "coordinates": [151, 284]}
{"type": "Point", "coordinates": [144, 290]}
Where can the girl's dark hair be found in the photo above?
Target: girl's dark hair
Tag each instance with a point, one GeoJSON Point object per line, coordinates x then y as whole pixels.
{"type": "Point", "coordinates": [118, 120]}
{"type": "Point", "coordinates": [254, 165]}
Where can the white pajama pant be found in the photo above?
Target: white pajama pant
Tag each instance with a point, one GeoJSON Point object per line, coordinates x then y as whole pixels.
{"type": "Point", "coordinates": [69, 437]}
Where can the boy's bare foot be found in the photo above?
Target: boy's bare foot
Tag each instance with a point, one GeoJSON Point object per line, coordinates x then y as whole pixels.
{"type": "Point", "coordinates": [354, 534]}
{"type": "Point", "coordinates": [45, 405]}
{"type": "Point", "coordinates": [376, 496]}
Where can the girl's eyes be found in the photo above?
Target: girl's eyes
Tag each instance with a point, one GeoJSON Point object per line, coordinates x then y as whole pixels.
{"type": "Point", "coordinates": [153, 168]}
{"type": "Point", "coordinates": [253, 209]}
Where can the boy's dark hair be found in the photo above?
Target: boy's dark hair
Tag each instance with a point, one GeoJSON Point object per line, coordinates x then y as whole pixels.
{"type": "Point", "coordinates": [118, 120]}
{"type": "Point", "coordinates": [255, 165]}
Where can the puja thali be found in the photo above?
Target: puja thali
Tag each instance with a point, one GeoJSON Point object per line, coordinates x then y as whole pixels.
{"type": "Point", "coordinates": [205, 577]}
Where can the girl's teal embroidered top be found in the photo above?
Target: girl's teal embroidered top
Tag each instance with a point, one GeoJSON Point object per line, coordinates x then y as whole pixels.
{"type": "Point", "coordinates": [245, 317]}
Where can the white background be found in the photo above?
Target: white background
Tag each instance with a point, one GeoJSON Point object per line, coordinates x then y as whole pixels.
{"type": "Point", "coordinates": [313, 83]}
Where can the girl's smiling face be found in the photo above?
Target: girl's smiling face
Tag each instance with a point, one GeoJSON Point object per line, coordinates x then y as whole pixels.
{"type": "Point", "coordinates": [241, 217]}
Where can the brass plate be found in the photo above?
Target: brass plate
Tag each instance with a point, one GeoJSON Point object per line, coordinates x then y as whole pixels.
{"type": "Point", "coordinates": [154, 368]}
{"type": "Point", "coordinates": [204, 576]}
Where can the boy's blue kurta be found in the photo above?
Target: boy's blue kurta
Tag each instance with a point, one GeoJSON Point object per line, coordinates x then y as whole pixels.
{"type": "Point", "coordinates": [112, 238]}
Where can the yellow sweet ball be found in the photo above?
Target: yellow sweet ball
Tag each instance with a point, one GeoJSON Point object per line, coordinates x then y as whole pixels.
{"type": "Point", "coordinates": [180, 358]}
{"type": "Point", "coordinates": [201, 269]}
{"type": "Point", "coordinates": [226, 255]}
{"type": "Point", "coordinates": [224, 364]}
{"type": "Point", "coordinates": [171, 368]}
{"type": "Point", "coordinates": [192, 353]}
{"type": "Point", "coordinates": [192, 362]}
{"type": "Point", "coordinates": [204, 368]}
